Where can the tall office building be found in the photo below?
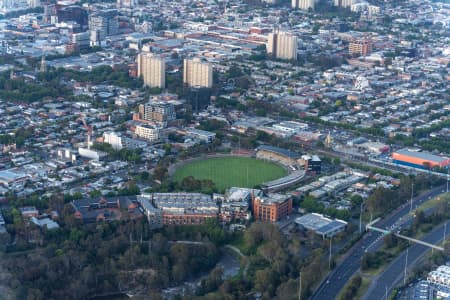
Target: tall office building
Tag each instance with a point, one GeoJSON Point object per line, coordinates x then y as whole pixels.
{"type": "Point", "coordinates": [344, 3]}
{"type": "Point", "coordinates": [81, 40]}
{"type": "Point", "coordinates": [152, 68]}
{"type": "Point", "coordinates": [105, 22]}
{"type": "Point", "coordinates": [303, 4]}
{"type": "Point", "coordinates": [94, 38]}
{"type": "Point", "coordinates": [282, 45]}
{"type": "Point", "coordinates": [197, 73]}
{"type": "Point", "coordinates": [73, 13]}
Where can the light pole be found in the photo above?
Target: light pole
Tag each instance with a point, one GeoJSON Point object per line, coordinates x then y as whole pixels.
{"type": "Point", "coordinates": [445, 232]}
{"type": "Point", "coordinates": [360, 217]}
{"type": "Point", "coordinates": [406, 264]}
{"type": "Point", "coordinates": [448, 169]}
{"type": "Point", "coordinates": [412, 193]}
{"type": "Point", "coordinates": [300, 286]}
{"type": "Point", "coordinates": [329, 255]}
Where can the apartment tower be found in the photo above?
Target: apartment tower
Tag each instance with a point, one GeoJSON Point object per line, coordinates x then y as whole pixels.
{"type": "Point", "coordinates": [152, 68]}
{"type": "Point", "coordinates": [282, 45]}
{"type": "Point", "coordinates": [197, 73]}
{"type": "Point", "coordinates": [303, 4]}
{"type": "Point", "coordinates": [344, 3]}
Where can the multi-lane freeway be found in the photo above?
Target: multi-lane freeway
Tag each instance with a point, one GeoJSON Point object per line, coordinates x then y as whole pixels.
{"type": "Point", "coordinates": [382, 286]}
{"type": "Point", "coordinates": [371, 241]}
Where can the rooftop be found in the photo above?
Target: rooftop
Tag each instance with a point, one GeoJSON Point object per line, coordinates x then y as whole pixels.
{"type": "Point", "coordinates": [422, 155]}
{"type": "Point", "coordinates": [200, 132]}
{"type": "Point", "coordinates": [319, 223]}
{"type": "Point", "coordinates": [239, 194]}
{"type": "Point", "coordinates": [9, 175]}
{"type": "Point", "coordinates": [46, 222]}
{"type": "Point", "coordinates": [182, 203]}
{"type": "Point", "coordinates": [280, 151]}
{"type": "Point", "coordinates": [273, 198]}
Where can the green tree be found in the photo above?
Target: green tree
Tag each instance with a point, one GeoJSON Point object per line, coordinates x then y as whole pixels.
{"type": "Point", "coordinates": [160, 172]}
{"type": "Point", "coordinates": [390, 240]}
{"type": "Point", "coordinates": [312, 205]}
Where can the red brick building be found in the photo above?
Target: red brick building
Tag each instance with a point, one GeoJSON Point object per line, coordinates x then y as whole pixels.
{"type": "Point", "coordinates": [271, 208]}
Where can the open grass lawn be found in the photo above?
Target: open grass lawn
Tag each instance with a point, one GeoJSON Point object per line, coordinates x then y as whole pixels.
{"type": "Point", "coordinates": [227, 172]}
{"type": "Point", "coordinates": [432, 203]}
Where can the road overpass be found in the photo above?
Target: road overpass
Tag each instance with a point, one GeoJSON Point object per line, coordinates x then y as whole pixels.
{"type": "Point", "coordinates": [395, 272]}
{"type": "Point", "coordinates": [371, 241]}
{"type": "Point", "coordinates": [416, 241]}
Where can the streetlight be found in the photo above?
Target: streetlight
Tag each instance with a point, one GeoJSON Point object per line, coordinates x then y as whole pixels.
{"type": "Point", "coordinates": [300, 286]}
{"type": "Point", "coordinates": [445, 232]}
{"type": "Point", "coordinates": [412, 193]}
{"type": "Point", "coordinates": [448, 169]}
{"type": "Point", "coordinates": [406, 264]}
{"type": "Point", "coordinates": [329, 256]}
{"type": "Point", "coordinates": [360, 217]}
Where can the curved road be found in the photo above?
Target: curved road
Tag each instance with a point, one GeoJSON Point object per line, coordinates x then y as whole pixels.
{"type": "Point", "coordinates": [394, 273]}
{"type": "Point", "coordinates": [371, 241]}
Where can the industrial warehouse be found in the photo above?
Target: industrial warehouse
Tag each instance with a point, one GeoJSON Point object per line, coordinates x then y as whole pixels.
{"type": "Point", "coordinates": [419, 159]}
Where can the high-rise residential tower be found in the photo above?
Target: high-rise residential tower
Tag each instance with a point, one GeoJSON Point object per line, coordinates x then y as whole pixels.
{"type": "Point", "coordinates": [303, 4]}
{"type": "Point", "coordinates": [197, 73]}
{"type": "Point", "coordinates": [152, 68]}
{"type": "Point", "coordinates": [344, 3]}
{"type": "Point", "coordinates": [282, 45]}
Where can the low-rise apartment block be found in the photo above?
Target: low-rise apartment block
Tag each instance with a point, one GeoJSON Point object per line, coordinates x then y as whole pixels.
{"type": "Point", "coordinates": [179, 208]}
{"type": "Point", "coordinates": [147, 132]}
{"type": "Point", "coordinates": [235, 206]}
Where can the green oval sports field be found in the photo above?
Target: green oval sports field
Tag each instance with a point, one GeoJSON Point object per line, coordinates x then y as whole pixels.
{"type": "Point", "coordinates": [231, 171]}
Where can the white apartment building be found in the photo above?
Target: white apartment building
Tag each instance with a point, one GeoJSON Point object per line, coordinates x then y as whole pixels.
{"type": "Point", "coordinates": [147, 132]}
{"type": "Point", "coordinates": [441, 276]}
{"type": "Point", "coordinates": [344, 3]}
{"type": "Point", "coordinates": [303, 4]}
{"type": "Point", "coordinates": [152, 68]}
{"type": "Point", "coordinates": [282, 45]}
{"type": "Point", "coordinates": [197, 73]}
{"type": "Point", "coordinates": [365, 6]}
{"type": "Point", "coordinates": [114, 139]}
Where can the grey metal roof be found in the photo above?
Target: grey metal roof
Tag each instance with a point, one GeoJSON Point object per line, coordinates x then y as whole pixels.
{"type": "Point", "coordinates": [280, 151]}
{"type": "Point", "coordinates": [319, 223]}
{"type": "Point", "coordinates": [422, 155]}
